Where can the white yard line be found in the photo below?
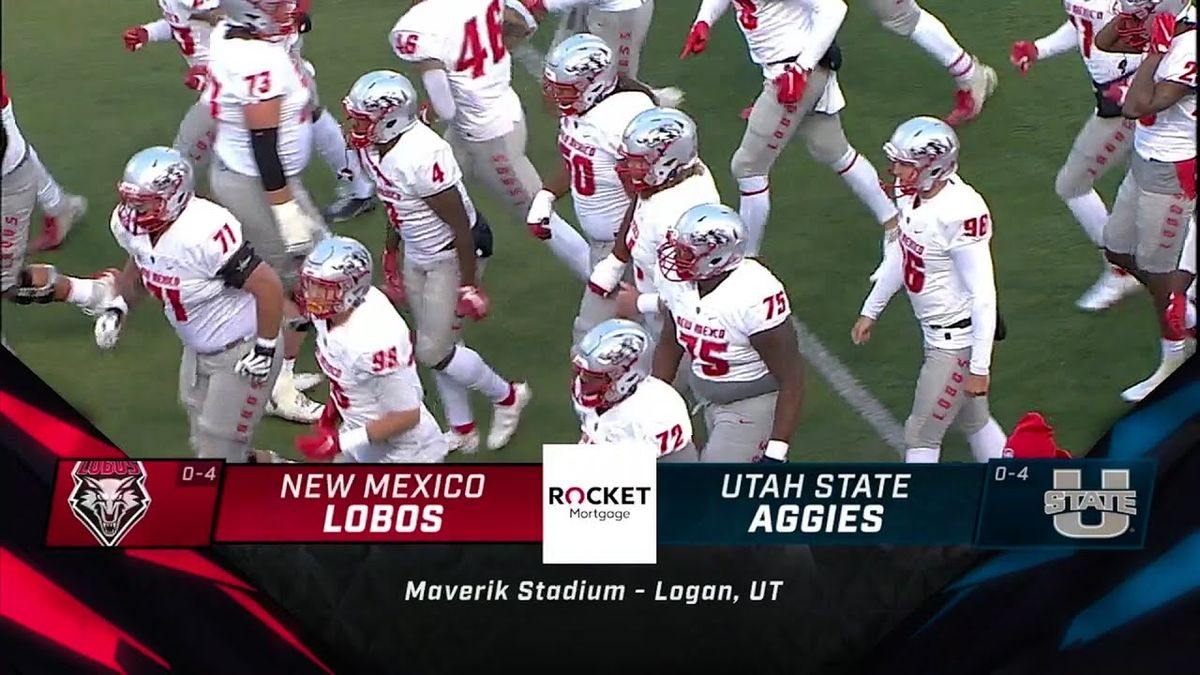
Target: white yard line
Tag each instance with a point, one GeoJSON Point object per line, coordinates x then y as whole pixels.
{"type": "Point", "coordinates": [849, 388]}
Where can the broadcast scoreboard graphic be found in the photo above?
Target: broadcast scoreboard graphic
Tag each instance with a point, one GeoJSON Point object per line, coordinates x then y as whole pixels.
{"type": "Point", "coordinates": [581, 515]}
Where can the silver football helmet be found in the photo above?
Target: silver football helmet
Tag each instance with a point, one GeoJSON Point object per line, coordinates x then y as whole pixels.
{"type": "Point", "coordinates": [579, 72]}
{"type": "Point", "coordinates": [269, 19]}
{"type": "Point", "coordinates": [381, 105]}
{"type": "Point", "coordinates": [927, 144]}
{"type": "Point", "coordinates": [156, 186]}
{"type": "Point", "coordinates": [335, 277]}
{"type": "Point", "coordinates": [605, 362]}
{"type": "Point", "coordinates": [708, 240]}
{"type": "Point", "coordinates": [657, 145]}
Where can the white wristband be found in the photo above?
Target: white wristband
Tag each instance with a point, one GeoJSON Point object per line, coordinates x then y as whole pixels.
{"type": "Point", "coordinates": [647, 303]}
{"type": "Point", "coordinates": [776, 450]}
{"type": "Point", "coordinates": [266, 343]}
{"type": "Point", "coordinates": [81, 291]}
{"type": "Point", "coordinates": [354, 441]}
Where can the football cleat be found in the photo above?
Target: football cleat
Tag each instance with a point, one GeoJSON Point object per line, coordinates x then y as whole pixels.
{"type": "Point", "coordinates": [56, 228]}
{"type": "Point", "coordinates": [347, 207]}
{"type": "Point", "coordinates": [506, 417]}
{"type": "Point", "coordinates": [1113, 285]}
{"type": "Point", "coordinates": [293, 406]}
{"type": "Point", "coordinates": [306, 381]}
{"type": "Point", "coordinates": [968, 103]}
{"type": "Point", "coordinates": [466, 443]}
{"type": "Point", "coordinates": [1169, 363]}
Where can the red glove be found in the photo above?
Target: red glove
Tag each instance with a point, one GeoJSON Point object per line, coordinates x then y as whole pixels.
{"type": "Point", "coordinates": [330, 418]}
{"type": "Point", "coordinates": [539, 230]}
{"type": "Point", "coordinates": [789, 87]}
{"type": "Point", "coordinates": [697, 40]}
{"type": "Point", "coordinates": [472, 303]}
{"type": "Point", "coordinates": [135, 38]}
{"type": "Point", "coordinates": [1022, 55]}
{"type": "Point", "coordinates": [393, 281]}
{"type": "Point", "coordinates": [1162, 31]}
{"type": "Point", "coordinates": [196, 78]}
{"type": "Point", "coordinates": [536, 7]}
{"type": "Point", "coordinates": [321, 446]}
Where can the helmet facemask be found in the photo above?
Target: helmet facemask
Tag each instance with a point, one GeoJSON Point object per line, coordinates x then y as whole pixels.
{"type": "Point", "coordinates": [360, 127]}
{"type": "Point", "coordinates": [635, 171]}
{"type": "Point", "coordinates": [323, 298]}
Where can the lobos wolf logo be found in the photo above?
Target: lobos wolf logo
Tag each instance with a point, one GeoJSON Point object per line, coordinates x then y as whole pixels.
{"type": "Point", "coordinates": [109, 497]}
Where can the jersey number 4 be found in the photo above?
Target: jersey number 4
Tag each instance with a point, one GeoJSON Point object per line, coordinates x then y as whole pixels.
{"type": "Point", "coordinates": [706, 352]}
{"type": "Point", "coordinates": [473, 55]}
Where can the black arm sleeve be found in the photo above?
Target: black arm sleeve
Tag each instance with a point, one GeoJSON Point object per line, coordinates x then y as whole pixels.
{"type": "Point", "coordinates": [240, 265]}
{"type": "Point", "coordinates": [265, 143]}
{"type": "Point", "coordinates": [305, 23]}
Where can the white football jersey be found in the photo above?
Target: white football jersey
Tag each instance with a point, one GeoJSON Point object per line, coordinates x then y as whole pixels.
{"type": "Point", "coordinates": [14, 152]}
{"type": "Point", "coordinates": [180, 269]}
{"type": "Point", "coordinates": [715, 329]}
{"type": "Point", "coordinates": [654, 416]}
{"type": "Point", "coordinates": [466, 37]}
{"type": "Point", "coordinates": [243, 72]}
{"type": "Point", "coordinates": [1088, 17]}
{"type": "Point", "coordinates": [602, 5]}
{"type": "Point", "coordinates": [656, 214]}
{"type": "Point", "coordinates": [1170, 136]}
{"type": "Point", "coordinates": [370, 365]}
{"type": "Point", "coordinates": [420, 165]}
{"type": "Point", "coordinates": [588, 144]}
{"type": "Point", "coordinates": [777, 30]}
{"type": "Point", "coordinates": [192, 35]}
{"type": "Point", "coordinates": [929, 230]}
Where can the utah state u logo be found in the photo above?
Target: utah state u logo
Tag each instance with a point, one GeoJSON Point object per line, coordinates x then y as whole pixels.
{"type": "Point", "coordinates": [109, 497]}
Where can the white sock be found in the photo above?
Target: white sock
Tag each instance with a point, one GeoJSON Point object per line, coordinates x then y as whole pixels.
{"type": "Point", "coordinates": [289, 367]}
{"type": "Point", "coordinates": [468, 369]}
{"type": "Point", "coordinates": [1092, 214]}
{"type": "Point", "coordinates": [988, 442]}
{"type": "Point", "coordinates": [331, 145]}
{"type": "Point", "coordinates": [754, 208]}
{"type": "Point", "coordinates": [922, 455]}
{"type": "Point", "coordinates": [863, 179]}
{"type": "Point", "coordinates": [1172, 348]}
{"type": "Point", "coordinates": [50, 193]}
{"type": "Point", "coordinates": [569, 246]}
{"type": "Point", "coordinates": [455, 400]}
{"type": "Point", "coordinates": [933, 36]}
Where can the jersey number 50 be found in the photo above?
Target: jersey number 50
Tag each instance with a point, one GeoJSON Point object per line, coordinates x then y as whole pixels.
{"type": "Point", "coordinates": [473, 56]}
{"type": "Point", "coordinates": [583, 174]}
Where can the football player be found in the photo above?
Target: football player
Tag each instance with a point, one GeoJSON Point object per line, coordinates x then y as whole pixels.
{"type": "Point", "coordinates": [225, 305]}
{"type": "Point", "coordinates": [595, 105]}
{"type": "Point", "coordinates": [618, 402]}
{"type": "Point", "coordinates": [733, 318]}
{"type": "Point", "coordinates": [942, 256]}
{"type": "Point", "coordinates": [366, 350]}
{"type": "Point", "coordinates": [264, 139]}
{"type": "Point", "coordinates": [189, 23]}
{"type": "Point", "coordinates": [1156, 200]}
{"type": "Point", "coordinates": [1181, 306]}
{"type": "Point", "coordinates": [621, 24]}
{"type": "Point", "coordinates": [659, 163]}
{"type": "Point", "coordinates": [974, 81]}
{"type": "Point", "coordinates": [793, 42]}
{"type": "Point", "coordinates": [28, 183]}
{"type": "Point", "coordinates": [458, 47]}
{"type": "Point", "coordinates": [1103, 142]}
{"type": "Point", "coordinates": [421, 186]}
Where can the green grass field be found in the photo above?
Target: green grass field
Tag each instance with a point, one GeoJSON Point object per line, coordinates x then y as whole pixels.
{"type": "Point", "coordinates": [87, 105]}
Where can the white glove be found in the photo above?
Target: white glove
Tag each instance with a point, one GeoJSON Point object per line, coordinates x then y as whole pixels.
{"type": "Point", "coordinates": [606, 276]}
{"type": "Point", "coordinates": [296, 227]}
{"type": "Point", "coordinates": [541, 207]}
{"type": "Point", "coordinates": [256, 364]}
{"type": "Point", "coordinates": [108, 328]}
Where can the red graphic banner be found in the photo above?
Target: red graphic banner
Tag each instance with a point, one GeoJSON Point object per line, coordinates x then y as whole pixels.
{"type": "Point", "coordinates": [134, 504]}
{"type": "Point", "coordinates": [193, 503]}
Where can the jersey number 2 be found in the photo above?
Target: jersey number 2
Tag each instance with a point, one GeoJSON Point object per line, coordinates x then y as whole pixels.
{"type": "Point", "coordinates": [473, 55]}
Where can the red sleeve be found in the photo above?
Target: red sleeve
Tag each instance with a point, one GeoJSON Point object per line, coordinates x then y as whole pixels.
{"type": "Point", "coordinates": [3, 91]}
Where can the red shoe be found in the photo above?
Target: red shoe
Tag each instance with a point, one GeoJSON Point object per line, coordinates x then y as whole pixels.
{"type": "Point", "coordinates": [968, 103]}
{"type": "Point", "coordinates": [1175, 317]}
{"type": "Point", "coordinates": [55, 230]}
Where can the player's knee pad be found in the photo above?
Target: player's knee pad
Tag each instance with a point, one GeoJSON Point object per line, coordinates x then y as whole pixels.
{"type": "Point", "coordinates": [899, 18]}
{"type": "Point", "coordinates": [1071, 182]}
{"type": "Point", "coordinates": [836, 153]}
{"type": "Point", "coordinates": [747, 163]}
